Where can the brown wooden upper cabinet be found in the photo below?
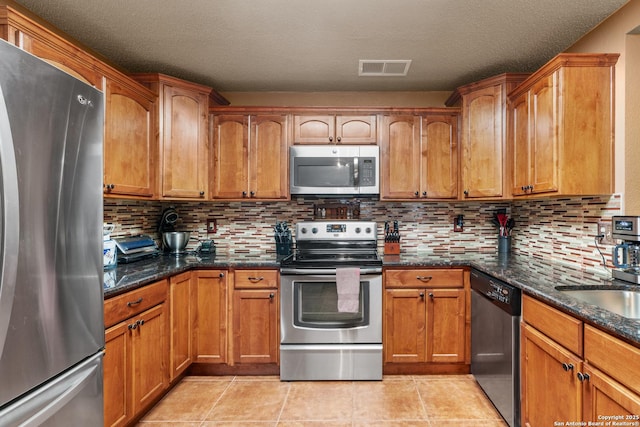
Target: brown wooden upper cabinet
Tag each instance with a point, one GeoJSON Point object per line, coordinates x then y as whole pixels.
{"type": "Point", "coordinates": [335, 129]}
{"type": "Point", "coordinates": [561, 127]}
{"type": "Point", "coordinates": [182, 111]}
{"type": "Point", "coordinates": [483, 153]}
{"type": "Point", "coordinates": [21, 28]}
{"type": "Point", "coordinates": [419, 156]}
{"type": "Point", "coordinates": [130, 146]}
{"type": "Point", "coordinates": [250, 153]}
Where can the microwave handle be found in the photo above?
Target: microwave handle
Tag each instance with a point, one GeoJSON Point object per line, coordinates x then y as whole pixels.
{"type": "Point", "coordinates": [356, 173]}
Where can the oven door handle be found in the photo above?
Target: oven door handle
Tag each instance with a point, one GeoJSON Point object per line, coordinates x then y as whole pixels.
{"type": "Point", "coordinates": [326, 271]}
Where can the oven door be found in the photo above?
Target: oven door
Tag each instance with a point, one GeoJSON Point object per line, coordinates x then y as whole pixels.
{"type": "Point", "coordinates": [309, 311]}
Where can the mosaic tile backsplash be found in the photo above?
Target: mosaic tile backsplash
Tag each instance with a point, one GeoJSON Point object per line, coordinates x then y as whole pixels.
{"type": "Point", "coordinates": [559, 229]}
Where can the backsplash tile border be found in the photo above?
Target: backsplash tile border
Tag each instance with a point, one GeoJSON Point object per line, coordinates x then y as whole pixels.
{"type": "Point", "coordinates": [562, 229]}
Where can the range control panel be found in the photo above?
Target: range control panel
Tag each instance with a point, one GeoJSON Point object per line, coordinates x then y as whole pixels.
{"type": "Point", "coordinates": [336, 230]}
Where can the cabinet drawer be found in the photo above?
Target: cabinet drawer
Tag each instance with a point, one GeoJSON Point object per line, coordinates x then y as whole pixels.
{"type": "Point", "coordinates": [424, 278]}
{"type": "Point", "coordinates": [123, 306]}
{"type": "Point", "coordinates": [256, 279]}
{"type": "Point", "coordinates": [612, 356]}
{"type": "Point", "coordinates": [560, 327]}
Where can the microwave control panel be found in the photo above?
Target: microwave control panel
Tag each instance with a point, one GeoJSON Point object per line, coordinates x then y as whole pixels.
{"type": "Point", "coordinates": [367, 171]}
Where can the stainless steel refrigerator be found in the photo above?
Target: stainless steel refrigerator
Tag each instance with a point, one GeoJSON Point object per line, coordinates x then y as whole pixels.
{"type": "Point", "coordinates": [51, 290]}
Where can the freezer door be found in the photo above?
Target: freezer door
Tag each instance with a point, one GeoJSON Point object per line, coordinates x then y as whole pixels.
{"type": "Point", "coordinates": [72, 399]}
{"type": "Point", "coordinates": [51, 300]}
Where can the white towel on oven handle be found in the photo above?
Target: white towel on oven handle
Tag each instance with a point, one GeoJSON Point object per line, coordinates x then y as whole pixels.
{"type": "Point", "coordinates": [348, 287]}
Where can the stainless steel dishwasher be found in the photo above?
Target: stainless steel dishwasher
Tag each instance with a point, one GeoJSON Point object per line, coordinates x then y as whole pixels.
{"type": "Point", "coordinates": [495, 343]}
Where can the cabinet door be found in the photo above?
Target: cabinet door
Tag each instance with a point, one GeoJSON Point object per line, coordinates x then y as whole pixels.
{"type": "Point", "coordinates": [482, 143]}
{"type": "Point", "coordinates": [182, 318]}
{"type": "Point", "coordinates": [129, 141]}
{"type": "Point", "coordinates": [550, 388]}
{"type": "Point", "coordinates": [268, 157]}
{"type": "Point", "coordinates": [544, 136]}
{"type": "Point", "coordinates": [211, 316]}
{"type": "Point", "coordinates": [404, 325]}
{"type": "Point", "coordinates": [255, 326]}
{"type": "Point", "coordinates": [314, 129]}
{"type": "Point", "coordinates": [520, 140]}
{"type": "Point", "coordinates": [400, 157]}
{"type": "Point", "coordinates": [184, 149]}
{"type": "Point", "coordinates": [439, 157]}
{"type": "Point", "coordinates": [446, 334]}
{"type": "Point", "coordinates": [230, 153]}
{"type": "Point", "coordinates": [117, 376]}
{"type": "Point", "coordinates": [357, 130]}
{"type": "Point", "coordinates": [605, 396]}
{"type": "Point", "coordinates": [149, 354]}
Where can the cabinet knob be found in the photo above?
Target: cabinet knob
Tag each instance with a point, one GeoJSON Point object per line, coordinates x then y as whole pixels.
{"type": "Point", "coordinates": [466, 193]}
{"type": "Point", "coordinates": [244, 194]}
{"type": "Point", "coordinates": [271, 295]}
{"type": "Point", "coordinates": [424, 194]}
{"type": "Point", "coordinates": [140, 322]}
{"type": "Point", "coordinates": [431, 295]}
{"type": "Point", "coordinates": [531, 188]}
{"type": "Point", "coordinates": [421, 295]}
{"type": "Point", "coordinates": [417, 193]}
{"type": "Point", "coordinates": [133, 326]}
{"type": "Point", "coordinates": [201, 193]}
{"type": "Point", "coordinates": [583, 377]}
{"type": "Point", "coordinates": [567, 367]}
{"type": "Point", "coordinates": [252, 194]}
{"type": "Point", "coordinates": [339, 138]}
{"type": "Point", "coordinates": [330, 139]}
{"type": "Point", "coordinates": [221, 275]}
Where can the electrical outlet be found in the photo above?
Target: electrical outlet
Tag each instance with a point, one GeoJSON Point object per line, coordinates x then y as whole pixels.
{"type": "Point", "coordinates": [604, 229]}
{"type": "Point", "coordinates": [212, 226]}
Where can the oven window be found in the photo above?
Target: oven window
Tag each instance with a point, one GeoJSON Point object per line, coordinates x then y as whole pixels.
{"type": "Point", "coordinates": [316, 306]}
{"type": "Point", "coordinates": [323, 172]}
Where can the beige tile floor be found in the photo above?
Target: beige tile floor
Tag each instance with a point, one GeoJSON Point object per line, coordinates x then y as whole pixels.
{"type": "Point", "coordinates": [403, 400]}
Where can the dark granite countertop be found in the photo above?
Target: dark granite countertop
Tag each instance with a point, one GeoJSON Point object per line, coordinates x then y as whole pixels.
{"type": "Point", "coordinates": [126, 277]}
{"type": "Point", "coordinates": [536, 277]}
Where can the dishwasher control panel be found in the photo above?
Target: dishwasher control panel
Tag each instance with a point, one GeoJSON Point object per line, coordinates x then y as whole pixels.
{"type": "Point", "coordinates": [500, 293]}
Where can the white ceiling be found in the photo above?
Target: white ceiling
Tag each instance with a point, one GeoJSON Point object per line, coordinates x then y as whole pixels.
{"type": "Point", "coordinates": [304, 45]}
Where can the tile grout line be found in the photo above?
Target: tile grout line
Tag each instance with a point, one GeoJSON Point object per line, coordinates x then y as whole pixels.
{"type": "Point", "coordinates": [424, 407]}
{"type": "Point", "coordinates": [204, 420]}
{"type": "Point", "coordinates": [284, 402]}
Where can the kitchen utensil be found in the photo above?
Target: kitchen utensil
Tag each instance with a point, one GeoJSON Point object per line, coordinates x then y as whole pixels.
{"type": "Point", "coordinates": [175, 241]}
{"type": "Point", "coordinates": [168, 220]}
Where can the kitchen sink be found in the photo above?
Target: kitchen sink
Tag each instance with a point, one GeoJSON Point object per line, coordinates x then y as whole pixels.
{"type": "Point", "coordinates": [624, 302]}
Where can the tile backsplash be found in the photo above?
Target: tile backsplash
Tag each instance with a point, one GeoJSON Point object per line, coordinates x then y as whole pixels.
{"type": "Point", "coordinates": [562, 229]}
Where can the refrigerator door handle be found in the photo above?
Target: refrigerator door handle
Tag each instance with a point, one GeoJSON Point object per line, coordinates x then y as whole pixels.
{"type": "Point", "coordinates": [34, 410]}
{"type": "Point", "coordinates": [9, 222]}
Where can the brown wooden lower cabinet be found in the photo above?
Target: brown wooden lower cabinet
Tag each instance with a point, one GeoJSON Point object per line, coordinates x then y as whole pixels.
{"type": "Point", "coordinates": [427, 324]}
{"type": "Point", "coordinates": [182, 306]}
{"type": "Point", "coordinates": [210, 334]}
{"type": "Point", "coordinates": [136, 353]}
{"type": "Point", "coordinates": [559, 385]}
{"type": "Point", "coordinates": [255, 316]}
{"type": "Point", "coordinates": [551, 391]}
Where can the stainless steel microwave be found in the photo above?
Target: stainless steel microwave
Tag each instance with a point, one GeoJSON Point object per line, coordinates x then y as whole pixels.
{"type": "Point", "coordinates": [335, 170]}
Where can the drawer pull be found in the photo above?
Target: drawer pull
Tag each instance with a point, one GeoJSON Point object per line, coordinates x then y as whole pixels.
{"type": "Point", "coordinates": [424, 278]}
{"type": "Point", "coordinates": [255, 279]}
{"type": "Point", "coordinates": [136, 302]}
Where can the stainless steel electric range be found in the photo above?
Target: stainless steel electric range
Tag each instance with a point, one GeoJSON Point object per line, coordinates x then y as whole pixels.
{"type": "Point", "coordinates": [331, 303]}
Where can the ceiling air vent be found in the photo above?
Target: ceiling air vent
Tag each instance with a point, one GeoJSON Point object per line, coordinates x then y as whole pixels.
{"type": "Point", "coordinates": [389, 67]}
